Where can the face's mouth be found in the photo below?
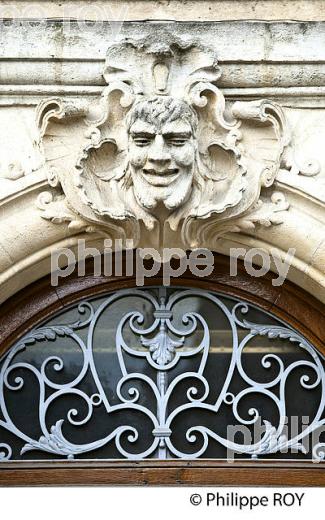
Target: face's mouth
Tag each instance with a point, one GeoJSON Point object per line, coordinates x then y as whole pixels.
{"type": "Point", "coordinates": [160, 177]}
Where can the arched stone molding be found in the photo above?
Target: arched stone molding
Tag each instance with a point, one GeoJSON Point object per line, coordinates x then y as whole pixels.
{"type": "Point", "coordinates": [27, 258]}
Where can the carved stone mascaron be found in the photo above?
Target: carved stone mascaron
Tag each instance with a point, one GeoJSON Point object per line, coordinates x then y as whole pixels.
{"type": "Point", "coordinates": [159, 153]}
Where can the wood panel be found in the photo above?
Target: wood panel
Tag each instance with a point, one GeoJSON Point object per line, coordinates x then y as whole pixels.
{"type": "Point", "coordinates": [167, 473]}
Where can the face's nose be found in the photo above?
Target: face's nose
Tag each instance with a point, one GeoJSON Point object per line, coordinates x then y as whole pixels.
{"type": "Point", "coordinates": [158, 152]}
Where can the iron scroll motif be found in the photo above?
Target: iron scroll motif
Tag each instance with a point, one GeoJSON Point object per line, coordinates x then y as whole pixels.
{"type": "Point", "coordinates": [172, 351]}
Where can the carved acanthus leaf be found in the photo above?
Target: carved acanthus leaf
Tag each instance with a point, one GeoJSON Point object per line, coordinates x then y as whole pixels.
{"type": "Point", "coordinates": [265, 213]}
{"type": "Point", "coordinates": [57, 211]}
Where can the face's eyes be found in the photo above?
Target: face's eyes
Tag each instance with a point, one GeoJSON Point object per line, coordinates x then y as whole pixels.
{"type": "Point", "coordinates": [177, 141]}
{"type": "Point", "coordinates": [142, 140]}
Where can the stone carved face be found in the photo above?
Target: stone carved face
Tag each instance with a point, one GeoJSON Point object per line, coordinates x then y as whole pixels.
{"type": "Point", "coordinates": [166, 162]}
{"type": "Point", "coordinates": [162, 151]}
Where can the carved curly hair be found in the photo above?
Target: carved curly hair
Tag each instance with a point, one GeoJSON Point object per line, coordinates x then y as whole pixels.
{"type": "Point", "coordinates": [162, 109]}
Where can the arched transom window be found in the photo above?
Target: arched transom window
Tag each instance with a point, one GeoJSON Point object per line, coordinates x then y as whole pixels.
{"type": "Point", "coordinates": [162, 373]}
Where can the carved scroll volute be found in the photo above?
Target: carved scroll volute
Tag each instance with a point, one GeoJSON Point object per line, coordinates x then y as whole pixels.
{"type": "Point", "coordinates": [265, 131]}
{"type": "Point", "coordinates": [75, 149]}
{"type": "Point", "coordinates": [258, 139]}
{"type": "Point", "coordinates": [63, 133]}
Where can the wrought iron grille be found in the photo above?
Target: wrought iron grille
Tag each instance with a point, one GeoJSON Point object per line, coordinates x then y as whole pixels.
{"type": "Point", "coordinates": [162, 373]}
